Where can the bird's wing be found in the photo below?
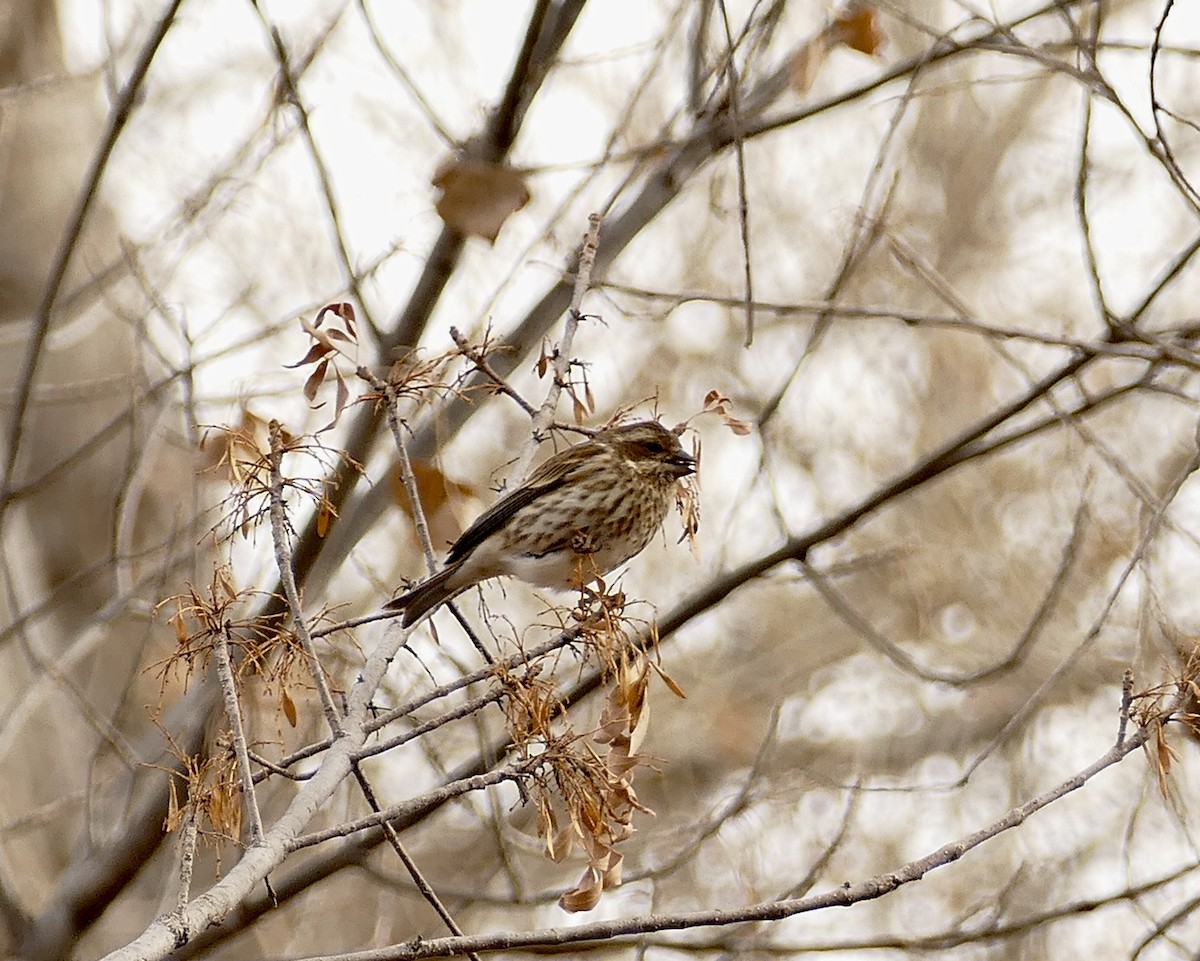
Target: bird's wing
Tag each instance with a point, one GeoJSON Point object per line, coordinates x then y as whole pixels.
{"type": "Point", "coordinates": [551, 475]}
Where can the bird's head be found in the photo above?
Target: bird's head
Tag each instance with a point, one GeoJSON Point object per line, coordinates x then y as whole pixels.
{"type": "Point", "coordinates": [648, 443]}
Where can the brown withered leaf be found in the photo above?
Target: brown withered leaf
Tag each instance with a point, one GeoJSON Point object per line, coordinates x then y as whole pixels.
{"type": "Point", "coordinates": [624, 719]}
{"type": "Point", "coordinates": [341, 309]}
{"type": "Point", "coordinates": [544, 359]}
{"type": "Point", "coordinates": [586, 894]}
{"type": "Point", "coordinates": [1163, 759]}
{"type": "Point", "coordinates": [315, 380]}
{"type": "Point", "coordinates": [478, 197]}
{"type": "Point", "coordinates": [666, 678]}
{"type": "Point", "coordinates": [179, 621]}
{"type": "Point", "coordinates": [315, 353]}
{"type": "Point", "coordinates": [174, 808]}
{"type": "Point", "coordinates": [857, 27]}
{"type": "Point", "coordinates": [687, 502]}
{"type": "Point", "coordinates": [325, 515]}
{"type": "Point", "coordinates": [717, 403]}
{"type": "Point", "coordinates": [288, 705]}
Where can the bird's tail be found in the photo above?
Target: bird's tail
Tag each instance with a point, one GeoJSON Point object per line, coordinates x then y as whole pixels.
{"type": "Point", "coordinates": [425, 596]}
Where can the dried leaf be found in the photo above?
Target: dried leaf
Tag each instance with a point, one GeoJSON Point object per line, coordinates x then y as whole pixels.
{"type": "Point", "coordinates": [560, 844]}
{"type": "Point", "coordinates": [478, 197]}
{"type": "Point", "coordinates": [1164, 755]}
{"type": "Point", "coordinates": [314, 382]}
{"type": "Point", "coordinates": [222, 576]}
{"type": "Point", "coordinates": [343, 394]}
{"type": "Point", "coordinates": [288, 705]}
{"type": "Point", "coordinates": [717, 403]}
{"type": "Point", "coordinates": [177, 620]}
{"type": "Point", "coordinates": [340, 309]}
{"type": "Point", "coordinates": [612, 877]}
{"type": "Point", "coordinates": [687, 502]}
{"type": "Point", "coordinates": [544, 361]}
{"type": "Point", "coordinates": [669, 681]}
{"type": "Point", "coordinates": [173, 809]}
{"type": "Point", "coordinates": [325, 517]}
{"type": "Point", "coordinates": [857, 27]}
{"type": "Point", "coordinates": [586, 894]}
{"type": "Point", "coordinates": [230, 445]}
{"type": "Point", "coordinates": [315, 353]}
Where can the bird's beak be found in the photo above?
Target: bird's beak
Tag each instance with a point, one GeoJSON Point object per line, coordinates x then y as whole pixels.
{"type": "Point", "coordinates": [682, 464]}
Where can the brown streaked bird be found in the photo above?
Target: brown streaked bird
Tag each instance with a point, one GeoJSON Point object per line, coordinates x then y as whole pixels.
{"type": "Point", "coordinates": [583, 512]}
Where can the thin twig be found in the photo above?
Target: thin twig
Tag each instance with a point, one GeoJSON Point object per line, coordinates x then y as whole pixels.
{"type": "Point", "coordinates": [1156, 109]}
{"type": "Point", "coordinates": [283, 559]}
{"type": "Point", "coordinates": [842, 896]}
{"type": "Point", "coordinates": [464, 710]}
{"type": "Point", "coordinates": [477, 357]}
{"type": "Point", "coordinates": [905, 662]}
{"type": "Point", "coordinates": [697, 67]}
{"type": "Point", "coordinates": [685, 851]}
{"type": "Point", "coordinates": [406, 808]}
{"type": "Point", "coordinates": [982, 929]}
{"type": "Point", "coordinates": [291, 95]}
{"type": "Point", "coordinates": [740, 162]}
{"type": "Point", "coordinates": [406, 80]}
{"type": "Point", "coordinates": [414, 872]}
{"type": "Point", "coordinates": [817, 868]}
{"type": "Point", "coordinates": [409, 479]}
{"type": "Point", "coordinates": [1149, 534]}
{"type": "Point", "coordinates": [1126, 704]}
{"type": "Point", "coordinates": [233, 712]}
{"type": "Point", "coordinates": [562, 351]}
{"type": "Point", "coordinates": [409, 707]}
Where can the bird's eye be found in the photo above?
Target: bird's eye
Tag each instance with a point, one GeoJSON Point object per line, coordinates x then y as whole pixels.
{"type": "Point", "coordinates": [653, 446]}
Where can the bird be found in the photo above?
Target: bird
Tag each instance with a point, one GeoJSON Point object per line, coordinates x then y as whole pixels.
{"type": "Point", "coordinates": [585, 511]}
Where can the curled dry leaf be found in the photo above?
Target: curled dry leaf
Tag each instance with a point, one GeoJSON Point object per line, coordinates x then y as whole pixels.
{"type": "Point", "coordinates": [586, 894]}
{"type": "Point", "coordinates": [717, 403]}
{"type": "Point", "coordinates": [478, 197]}
{"type": "Point", "coordinates": [609, 820]}
{"type": "Point", "coordinates": [315, 353]}
{"type": "Point", "coordinates": [559, 841]}
{"type": "Point", "coordinates": [325, 343]}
